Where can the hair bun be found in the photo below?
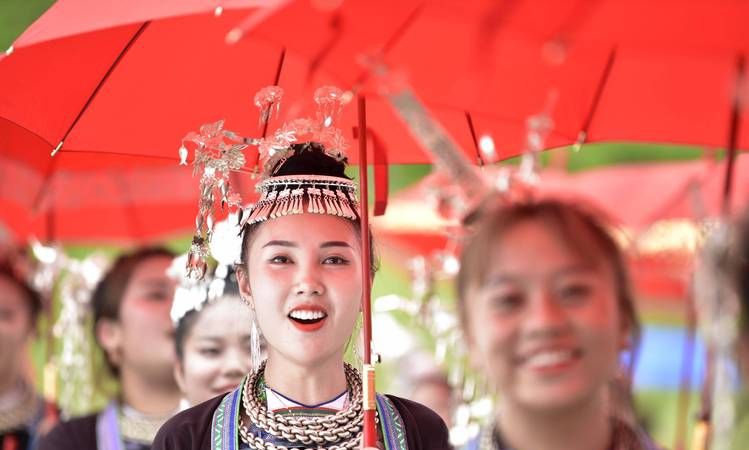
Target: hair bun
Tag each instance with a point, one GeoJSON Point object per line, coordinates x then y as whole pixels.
{"type": "Point", "coordinates": [310, 158]}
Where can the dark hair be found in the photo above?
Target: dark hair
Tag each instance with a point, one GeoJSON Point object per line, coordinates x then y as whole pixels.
{"type": "Point", "coordinates": [566, 220]}
{"type": "Point", "coordinates": [106, 299]}
{"type": "Point", "coordinates": [33, 298]}
{"type": "Point", "coordinates": [739, 270]}
{"type": "Point", "coordinates": [186, 323]}
{"type": "Point", "coordinates": [309, 158]}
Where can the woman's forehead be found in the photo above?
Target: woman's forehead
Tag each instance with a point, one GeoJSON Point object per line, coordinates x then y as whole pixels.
{"type": "Point", "coordinates": [570, 235]}
{"type": "Point", "coordinates": [306, 229]}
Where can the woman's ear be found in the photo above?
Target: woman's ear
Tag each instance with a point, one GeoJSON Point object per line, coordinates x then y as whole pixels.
{"type": "Point", "coordinates": [109, 335]}
{"type": "Point", "coordinates": [243, 280]}
{"type": "Point", "coordinates": [179, 376]}
{"type": "Point", "coordinates": [625, 336]}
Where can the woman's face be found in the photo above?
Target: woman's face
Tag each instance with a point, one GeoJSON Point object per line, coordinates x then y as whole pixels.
{"type": "Point", "coordinates": [304, 279]}
{"type": "Point", "coordinates": [216, 351]}
{"type": "Point", "coordinates": [545, 325]}
{"type": "Point", "coordinates": [146, 337]}
{"type": "Point", "coordinates": [15, 327]}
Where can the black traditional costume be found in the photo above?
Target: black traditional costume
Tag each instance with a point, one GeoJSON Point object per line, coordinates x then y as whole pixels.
{"type": "Point", "coordinates": [22, 414]}
{"type": "Point", "coordinates": [215, 425]}
{"type": "Point", "coordinates": [114, 428]}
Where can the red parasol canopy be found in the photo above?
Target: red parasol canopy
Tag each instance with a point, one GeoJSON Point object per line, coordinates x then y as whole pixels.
{"type": "Point", "coordinates": [129, 79]}
{"type": "Point", "coordinates": [673, 196]}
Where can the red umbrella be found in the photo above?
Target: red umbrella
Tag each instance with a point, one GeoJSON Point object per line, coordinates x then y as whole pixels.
{"type": "Point", "coordinates": [129, 79]}
{"type": "Point", "coordinates": [111, 90]}
{"type": "Point", "coordinates": [633, 196]}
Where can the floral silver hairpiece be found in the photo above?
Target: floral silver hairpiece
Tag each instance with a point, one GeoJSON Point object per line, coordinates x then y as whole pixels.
{"type": "Point", "coordinates": [218, 152]}
{"type": "Point", "coordinates": [191, 294]}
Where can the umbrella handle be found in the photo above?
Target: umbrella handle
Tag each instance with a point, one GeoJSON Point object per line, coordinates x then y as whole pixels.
{"type": "Point", "coordinates": [368, 372]}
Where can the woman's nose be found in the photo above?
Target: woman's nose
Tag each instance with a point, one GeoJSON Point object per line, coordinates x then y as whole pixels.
{"type": "Point", "coordinates": [545, 314]}
{"type": "Point", "coordinates": [308, 281]}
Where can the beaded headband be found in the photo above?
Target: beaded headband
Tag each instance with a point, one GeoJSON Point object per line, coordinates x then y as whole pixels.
{"type": "Point", "coordinates": [219, 151]}
{"type": "Point", "coordinates": [286, 195]}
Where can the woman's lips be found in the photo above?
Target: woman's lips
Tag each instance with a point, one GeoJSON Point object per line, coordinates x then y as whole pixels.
{"type": "Point", "coordinates": [551, 361]}
{"type": "Point", "coordinates": [308, 318]}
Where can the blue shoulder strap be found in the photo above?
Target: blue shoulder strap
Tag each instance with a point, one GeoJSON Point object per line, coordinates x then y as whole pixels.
{"type": "Point", "coordinates": [391, 423]}
{"type": "Point", "coordinates": [224, 433]}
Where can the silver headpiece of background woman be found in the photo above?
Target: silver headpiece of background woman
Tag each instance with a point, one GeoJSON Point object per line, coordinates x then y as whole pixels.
{"type": "Point", "coordinates": [218, 152]}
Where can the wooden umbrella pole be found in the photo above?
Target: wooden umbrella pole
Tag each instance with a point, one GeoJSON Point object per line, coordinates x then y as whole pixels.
{"type": "Point", "coordinates": [368, 372]}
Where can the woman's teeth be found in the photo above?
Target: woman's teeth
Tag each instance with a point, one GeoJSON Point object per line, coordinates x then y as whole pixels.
{"type": "Point", "coordinates": [549, 358]}
{"type": "Point", "coordinates": [301, 314]}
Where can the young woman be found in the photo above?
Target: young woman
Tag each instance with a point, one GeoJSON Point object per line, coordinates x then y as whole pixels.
{"type": "Point", "coordinates": [739, 279]}
{"type": "Point", "coordinates": [301, 273]}
{"type": "Point", "coordinates": [23, 413]}
{"type": "Point", "coordinates": [132, 326]}
{"type": "Point", "coordinates": [547, 311]}
{"type": "Point", "coordinates": [212, 339]}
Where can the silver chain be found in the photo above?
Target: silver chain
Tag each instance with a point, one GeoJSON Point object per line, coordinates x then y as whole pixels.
{"type": "Point", "coordinates": [339, 431]}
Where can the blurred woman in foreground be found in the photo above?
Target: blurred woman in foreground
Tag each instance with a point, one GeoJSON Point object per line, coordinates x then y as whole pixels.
{"type": "Point", "coordinates": [547, 309]}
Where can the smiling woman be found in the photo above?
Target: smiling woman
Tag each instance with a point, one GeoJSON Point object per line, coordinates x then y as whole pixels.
{"type": "Point", "coordinates": [300, 271]}
{"type": "Point", "coordinates": [547, 309]}
{"type": "Point", "coordinates": [132, 326]}
{"type": "Point", "coordinates": [211, 337]}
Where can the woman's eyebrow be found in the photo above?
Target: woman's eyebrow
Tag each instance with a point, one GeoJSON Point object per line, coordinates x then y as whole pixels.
{"type": "Point", "coordinates": [335, 244]}
{"type": "Point", "coordinates": [499, 278]}
{"type": "Point", "coordinates": [155, 282]}
{"type": "Point", "coordinates": [209, 338]}
{"type": "Point", "coordinates": [279, 243]}
{"type": "Point", "coordinates": [576, 269]}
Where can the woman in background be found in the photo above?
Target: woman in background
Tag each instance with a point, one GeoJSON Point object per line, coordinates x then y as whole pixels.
{"type": "Point", "coordinates": [133, 328]}
{"type": "Point", "coordinates": [547, 310]}
{"type": "Point", "coordinates": [24, 415]}
{"type": "Point", "coordinates": [211, 337]}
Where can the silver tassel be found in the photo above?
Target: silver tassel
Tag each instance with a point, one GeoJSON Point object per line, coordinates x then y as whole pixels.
{"type": "Point", "coordinates": [314, 205]}
{"type": "Point", "coordinates": [348, 213]}
{"type": "Point", "coordinates": [255, 352]}
{"type": "Point", "coordinates": [297, 195]}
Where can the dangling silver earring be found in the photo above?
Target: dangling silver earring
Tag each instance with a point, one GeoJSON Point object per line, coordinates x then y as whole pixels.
{"type": "Point", "coordinates": [357, 343]}
{"type": "Point", "coordinates": [255, 356]}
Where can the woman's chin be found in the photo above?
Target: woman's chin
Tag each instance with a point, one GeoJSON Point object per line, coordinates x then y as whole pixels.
{"type": "Point", "coordinates": [562, 397]}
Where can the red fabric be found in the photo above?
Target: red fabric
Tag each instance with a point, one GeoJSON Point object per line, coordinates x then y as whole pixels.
{"type": "Point", "coordinates": [638, 70]}
{"type": "Point", "coordinates": [631, 196]}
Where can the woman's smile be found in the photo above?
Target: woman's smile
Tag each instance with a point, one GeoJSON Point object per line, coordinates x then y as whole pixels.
{"type": "Point", "coordinates": [308, 317]}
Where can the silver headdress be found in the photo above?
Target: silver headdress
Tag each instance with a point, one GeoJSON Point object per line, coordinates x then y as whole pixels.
{"type": "Point", "coordinates": [192, 294]}
{"type": "Point", "coordinates": [219, 151]}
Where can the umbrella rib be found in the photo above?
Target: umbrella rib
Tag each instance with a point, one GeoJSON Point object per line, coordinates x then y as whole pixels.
{"type": "Point", "coordinates": [45, 184]}
{"type": "Point", "coordinates": [472, 129]}
{"type": "Point", "coordinates": [104, 79]}
{"type": "Point", "coordinates": [733, 134]}
{"type": "Point", "coordinates": [129, 155]}
{"type": "Point", "coordinates": [399, 32]}
{"type": "Point", "coordinates": [583, 135]}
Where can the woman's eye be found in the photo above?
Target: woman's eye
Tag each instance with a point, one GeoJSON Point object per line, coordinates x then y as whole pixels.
{"type": "Point", "coordinates": [280, 259]}
{"type": "Point", "coordinates": [209, 352]}
{"type": "Point", "coordinates": [575, 291]}
{"type": "Point", "coordinates": [507, 302]}
{"type": "Point", "coordinates": [335, 260]}
{"type": "Point", "coordinates": [157, 295]}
